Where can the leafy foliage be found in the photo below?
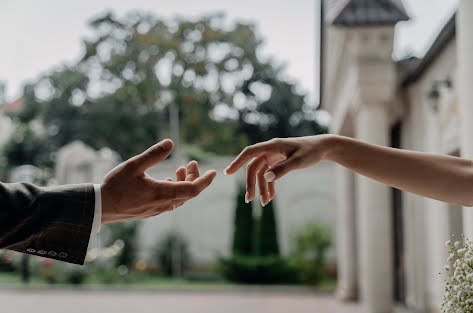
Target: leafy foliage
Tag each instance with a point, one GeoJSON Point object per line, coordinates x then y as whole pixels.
{"type": "Point", "coordinates": [258, 270]}
{"type": "Point", "coordinates": [310, 247]}
{"type": "Point", "coordinates": [243, 231]}
{"type": "Point", "coordinates": [267, 234]}
{"type": "Point", "coordinates": [118, 94]}
{"type": "Point", "coordinates": [26, 147]}
{"type": "Point", "coordinates": [165, 250]}
{"type": "Point", "coordinates": [255, 252]}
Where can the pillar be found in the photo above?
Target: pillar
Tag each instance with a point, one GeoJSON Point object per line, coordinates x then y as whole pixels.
{"type": "Point", "coordinates": [465, 92]}
{"type": "Point", "coordinates": [347, 259]}
{"type": "Point", "coordinates": [374, 217]}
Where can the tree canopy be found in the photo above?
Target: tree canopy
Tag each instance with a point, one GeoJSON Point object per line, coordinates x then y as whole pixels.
{"type": "Point", "coordinates": [118, 94]}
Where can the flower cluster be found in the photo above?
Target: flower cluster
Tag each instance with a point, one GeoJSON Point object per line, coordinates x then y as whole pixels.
{"type": "Point", "coordinates": [459, 282]}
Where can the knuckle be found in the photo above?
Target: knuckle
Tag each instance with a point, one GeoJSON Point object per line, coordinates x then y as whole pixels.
{"type": "Point", "coordinates": [297, 158]}
{"type": "Point", "coordinates": [250, 168]}
{"type": "Point", "coordinates": [132, 163]}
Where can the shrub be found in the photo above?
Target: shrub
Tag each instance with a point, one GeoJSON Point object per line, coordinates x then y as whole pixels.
{"type": "Point", "coordinates": [310, 245]}
{"type": "Point", "coordinates": [76, 277]}
{"type": "Point", "coordinates": [202, 276]}
{"type": "Point", "coordinates": [258, 270]}
{"type": "Point", "coordinates": [55, 272]}
{"type": "Point", "coordinates": [165, 250]}
{"type": "Point", "coordinates": [243, 231]}
{"type": "Point", "coordinates": [255, 258]}
{"type": "Point", "coordinates": [267, 242]}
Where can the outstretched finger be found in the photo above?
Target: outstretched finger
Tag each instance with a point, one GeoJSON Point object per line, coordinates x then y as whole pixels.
{"type": "Point", "coordinates": [272, 190]}
{"type": "Point", "coordinates": [251, 172]}
{"type": "Point", "coordinates": [263, 186]}
{"type": "Point", "coordinates": [250, 152]}
{"type": "Point", "coordinates": [181, 174]}
{"type": "Point", "coordinates": [184, 189]}
{"type": "Point", "coordinates": [192, 171]}
{"type": "Point", "coordinates": [153, 155]}
{"type": "Point", "coordinates": [202, 182]}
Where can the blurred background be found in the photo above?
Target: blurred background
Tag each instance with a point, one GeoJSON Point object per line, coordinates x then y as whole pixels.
{"type": "Point", "coordinates": [85, 85]}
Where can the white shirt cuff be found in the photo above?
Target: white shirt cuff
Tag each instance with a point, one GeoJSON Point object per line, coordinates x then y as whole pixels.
{"type": "Point", "coordinates": [97, 223]}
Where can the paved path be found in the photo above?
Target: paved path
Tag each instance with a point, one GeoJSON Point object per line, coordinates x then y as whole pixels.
{"type": "Point", "coordinates": [71, 301]}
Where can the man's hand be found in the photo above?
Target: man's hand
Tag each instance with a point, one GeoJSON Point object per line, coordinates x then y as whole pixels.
{"type": "Point", "coordinates": [129, 193]}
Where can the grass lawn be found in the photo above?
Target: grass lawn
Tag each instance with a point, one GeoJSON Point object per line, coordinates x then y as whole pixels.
{"type": "Point", "coordinates": [155, 282]}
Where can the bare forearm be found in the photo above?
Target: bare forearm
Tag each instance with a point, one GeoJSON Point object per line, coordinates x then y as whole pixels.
{"type": "Point", "coordinates": [440, 177]}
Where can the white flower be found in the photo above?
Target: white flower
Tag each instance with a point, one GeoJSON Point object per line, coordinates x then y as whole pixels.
{"type": "Point", "coordinates": [458, 295]}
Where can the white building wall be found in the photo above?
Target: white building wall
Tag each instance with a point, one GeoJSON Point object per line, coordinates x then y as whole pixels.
{"type": "Point", "coordinates": [428, 221]}
{"type": "Point", "coordinates": [207, 221]}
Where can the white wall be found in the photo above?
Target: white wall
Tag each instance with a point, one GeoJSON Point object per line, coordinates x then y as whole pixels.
{"type": "Point", "coordinates": [207, 221]}
{"type": "Point", "coordinates": [428, 221]}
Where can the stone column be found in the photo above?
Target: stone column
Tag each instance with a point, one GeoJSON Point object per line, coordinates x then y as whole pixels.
{"type": "Point", "coordinates": [347, 259]}
{"type": "Point", "coordinates": [465, 92]}
{"type": "Point", "coordinates": [374, 218]}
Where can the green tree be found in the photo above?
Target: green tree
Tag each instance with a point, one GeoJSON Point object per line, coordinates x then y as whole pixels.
{"type": "Point", "coordinates": [267, 242]}
{"type": "Point", "coordinates": [243, 230]}
{"type": "Point", "coordinates": [118, 94]}
{"type": "Point", "coordinates": [26, 147]}
{"type": "Point", "coordinates": [255, 258]}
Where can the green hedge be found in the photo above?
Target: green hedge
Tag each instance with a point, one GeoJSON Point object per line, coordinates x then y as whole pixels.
{"type": "Point", "coordinates": [243, 230]}
{"type": "Point", "coordinates": [258, 270]}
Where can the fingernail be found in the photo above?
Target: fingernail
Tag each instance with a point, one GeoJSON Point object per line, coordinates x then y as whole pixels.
{"type": "Point", "coordinates": [262, 203]}
{"type": "Point", "coordinates": [267, 201]}
{"type": "Point", "coordinates": [225, 171]}
{"type": "Point", "coordinates": [246, 198]}
{"type": "Point", "coordinates": [269, 176]}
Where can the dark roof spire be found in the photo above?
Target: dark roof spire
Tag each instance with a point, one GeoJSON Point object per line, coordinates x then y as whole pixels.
{"type": "Point", "coordinates": [371, 12]}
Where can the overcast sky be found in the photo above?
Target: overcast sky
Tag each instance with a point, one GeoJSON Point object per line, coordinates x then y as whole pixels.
{"type": "Point", "coordinates": [37, 36]}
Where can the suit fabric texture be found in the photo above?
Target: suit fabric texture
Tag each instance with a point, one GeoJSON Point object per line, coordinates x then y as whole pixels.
{"type": "Point", "coordinates": [54, 222]}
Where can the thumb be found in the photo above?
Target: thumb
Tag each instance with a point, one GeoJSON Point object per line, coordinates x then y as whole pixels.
{"type": "Point", "coordinates": [282, 168]}
{"type": "Point", "coordinates": [152, 156]}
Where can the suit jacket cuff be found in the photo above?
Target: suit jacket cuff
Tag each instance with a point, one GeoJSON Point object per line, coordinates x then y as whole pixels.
{"type": "Point", "coordinates": [62, 227]}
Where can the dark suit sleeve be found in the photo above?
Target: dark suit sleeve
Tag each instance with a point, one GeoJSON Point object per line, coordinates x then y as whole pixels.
{"type": "Point", "coordinates": [49, 222]}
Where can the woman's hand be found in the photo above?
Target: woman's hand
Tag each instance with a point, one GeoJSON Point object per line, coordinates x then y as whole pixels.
{"type": "Point", "coordinates": [275, 158]}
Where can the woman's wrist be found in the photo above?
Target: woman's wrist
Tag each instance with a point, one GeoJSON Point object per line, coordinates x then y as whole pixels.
{"type": "Point", "coordinates": [331, 145]}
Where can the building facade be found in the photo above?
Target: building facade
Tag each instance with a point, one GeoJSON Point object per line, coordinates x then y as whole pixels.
{"type": "Point", "coordinates": [391, 244]}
